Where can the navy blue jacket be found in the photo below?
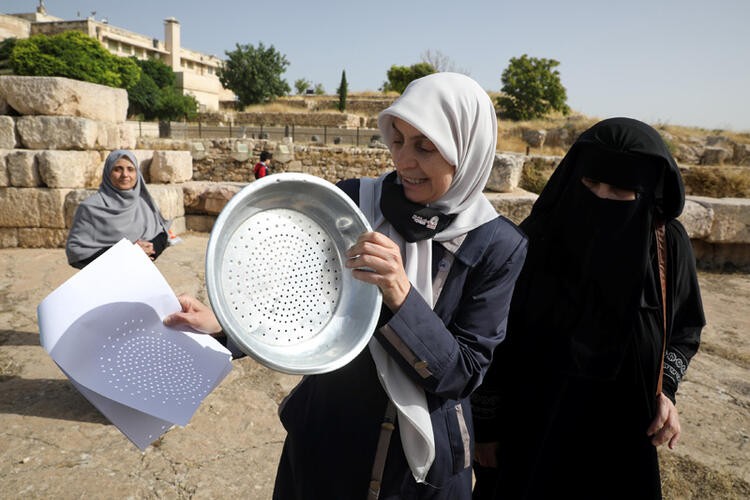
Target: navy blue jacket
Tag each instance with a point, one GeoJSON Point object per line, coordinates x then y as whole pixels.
{"type": "Point", "coordinates": [333, 420]}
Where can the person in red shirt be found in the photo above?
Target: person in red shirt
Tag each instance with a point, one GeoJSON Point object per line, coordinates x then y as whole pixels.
{"type": "Point", "coordinates": [262, 167]}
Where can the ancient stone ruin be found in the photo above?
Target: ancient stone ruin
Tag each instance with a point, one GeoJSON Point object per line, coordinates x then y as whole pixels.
{"type": "Point", "coordinates": [55, 134]}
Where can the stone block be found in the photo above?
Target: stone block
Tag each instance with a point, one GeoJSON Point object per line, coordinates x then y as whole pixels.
{"type": "Point", "coordinates": [72, 200]}
{"type": "Point", "coordinates": [57, 132]}
{"type": "Point", "coordinates": [216, 198]}
{"type": "Point", "coordinates": [506, 173]}
{"type": "Point", "coordinates": [144, 157]}
{"type": "Point", "coordinates": [534, 138]}
{"type": "Point", "coordinates": [112, 136]}
{"type": "Point", "coordinates": [171, 166]}
{"type": "Point", "coordinates": [192, 192]}
{"type": "Point", "coordinates": [4, 177]}
{"type": "Point", "coordinates": [200, 223]}
{"type": "Point", "coordinates": [52, 208]}
{"type": "Point", "coordinates": [41, 237]}
{"type": "Point", "coordinates": [169, 198]}
{"type": "Point", "coordinates": [697, 219]}
{"type": "Point", "coordinates": [209, 197]}
{"type": "Point", "coordinates": [127, 136]}
{"type": "Point", "coordinates": [69, 169]}
{"type": "Point", "coordinates": [516, 205]}
{"type": "Point", "coordinates": [57, 96]}
{"type": "Point", "coordinates": [294, 166]}
{"type": "Point", "coordinates": [108, 136]}
{"type": "Point", "coordinates": [731, 219]}
{"type": "Point", "coordinates": [19, 207]}
{"type": "Point", "coordinates": [8, 237]}
{"type": "Point", "coordinates": [23, 170]}
{"type": "Point", "coordinates": [8, 139]}
{"type": "Point", "coordinates": [714, 155]}
{"type": "Point", "coordinates": [284, 153]}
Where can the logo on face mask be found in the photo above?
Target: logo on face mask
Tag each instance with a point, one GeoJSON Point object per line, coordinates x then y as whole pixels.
{"type": "Point", "coordinates": [430, 223]}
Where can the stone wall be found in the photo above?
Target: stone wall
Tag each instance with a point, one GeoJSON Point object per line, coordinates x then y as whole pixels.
{"type": "Point", "coordinates": [54, 136]}
{"type": "Point", "coordinates": [718, 227]}
{"type": "Point", "coordinates": [280, 119]}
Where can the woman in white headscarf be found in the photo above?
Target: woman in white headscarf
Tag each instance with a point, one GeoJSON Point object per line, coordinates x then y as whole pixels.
{"type": "Point", "coordinates": [446, 264]}
{"type": "Point", "coordinates": [396, 421]}
{"type": "Point", "coordinates": [122, 208]}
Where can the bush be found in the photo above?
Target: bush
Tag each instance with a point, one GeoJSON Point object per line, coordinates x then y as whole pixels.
{"type": "Point", "coordinates": [72, 55]}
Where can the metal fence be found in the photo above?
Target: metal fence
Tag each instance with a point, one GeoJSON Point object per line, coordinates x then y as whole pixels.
{"type": "Point", "coordinates": [316, 135]}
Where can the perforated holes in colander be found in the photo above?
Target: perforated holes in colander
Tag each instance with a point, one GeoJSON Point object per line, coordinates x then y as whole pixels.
{"type": "Point", "coordinates": [282, 275]}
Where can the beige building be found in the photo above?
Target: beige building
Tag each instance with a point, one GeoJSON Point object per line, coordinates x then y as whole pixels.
{"type": "Point", "coordinates": [195, 72]}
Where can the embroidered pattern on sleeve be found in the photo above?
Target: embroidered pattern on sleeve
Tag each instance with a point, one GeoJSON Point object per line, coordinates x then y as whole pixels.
{"type": "Point", "coordinates": [675, 366]}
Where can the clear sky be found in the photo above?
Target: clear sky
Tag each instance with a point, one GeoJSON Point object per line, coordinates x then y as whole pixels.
{"type": "Point", "coordinates": [678, 62]}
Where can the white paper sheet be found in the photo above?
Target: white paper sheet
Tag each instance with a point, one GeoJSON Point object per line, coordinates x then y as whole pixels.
{"type": "Point", "coordinates": [103, 327]}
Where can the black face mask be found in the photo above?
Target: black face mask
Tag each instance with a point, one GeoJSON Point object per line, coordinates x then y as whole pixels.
{"type": "Point", "coordinates": [413, 221]}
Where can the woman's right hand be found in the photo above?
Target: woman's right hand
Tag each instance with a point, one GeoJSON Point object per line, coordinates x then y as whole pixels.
{"type": "Point", "coordinates": [195, 315]}
{"type": "Point", "coordinates": [376, 259]}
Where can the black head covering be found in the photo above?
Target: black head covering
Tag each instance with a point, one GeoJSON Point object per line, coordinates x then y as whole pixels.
{"type": "Point", "coordinates": [590, 259]}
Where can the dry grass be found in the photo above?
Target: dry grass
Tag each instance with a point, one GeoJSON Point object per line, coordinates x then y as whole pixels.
{"type": "Point", "coordinates": [699, 133]}
{"type": "Point", "coordinates": [684, 478]}
{"type": "Point", "coordinates": [717, 182]}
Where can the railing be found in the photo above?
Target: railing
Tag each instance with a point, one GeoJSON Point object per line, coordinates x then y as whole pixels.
{"type": "Point", "coordinates": [359, 136]}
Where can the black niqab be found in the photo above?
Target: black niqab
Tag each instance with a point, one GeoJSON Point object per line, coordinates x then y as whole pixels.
{"type": "Point", "coordinates": [589, 268]}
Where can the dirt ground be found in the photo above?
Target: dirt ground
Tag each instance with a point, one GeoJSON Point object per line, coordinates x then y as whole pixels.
{"type": "Point", "coordinates": [54, 444]}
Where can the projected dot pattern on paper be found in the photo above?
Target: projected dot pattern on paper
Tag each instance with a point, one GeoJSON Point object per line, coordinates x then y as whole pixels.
{"type": "Point", "coordinates": [145, 364]}
{"type": "Point", "coordinates": [282, 276]}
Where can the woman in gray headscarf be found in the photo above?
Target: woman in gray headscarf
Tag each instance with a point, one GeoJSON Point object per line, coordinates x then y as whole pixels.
{"type": "Point", "coordinates": [122, 208]}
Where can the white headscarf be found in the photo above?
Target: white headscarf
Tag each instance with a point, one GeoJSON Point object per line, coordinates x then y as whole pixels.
{"type": "Point", "coordinates": [111, 214]}
{"type": "Point", "coordinates": [458, 117]}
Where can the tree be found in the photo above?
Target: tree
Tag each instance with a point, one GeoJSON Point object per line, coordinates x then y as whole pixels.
{"type": "Point", "coordinates": [73, 55]}
{"type": "Point", "coordinates": [6, 49]}
{"type": "Point", "coordinates": [156, 97]}
{"type": "Point", "coordinates": [319, 90]}
{"type": "Point", "coordinates": [342, 91]}
{"type": "Point", "coordinates": [301, 85]}
{"type": "Point", "coordinates": [254, 74]}
{"type": "Point", "coordinates": [532, 89]}
{"type": "Point", "coordinates": [143, 98]}
{"type": "Point", "coordinates": [441, 62]}
{"type": "Point", "coordinates": [401, 76]}
{"type": "Point", "coordinates": [173, 105]}
{"type": "Point", "coordinates": [162, 75]}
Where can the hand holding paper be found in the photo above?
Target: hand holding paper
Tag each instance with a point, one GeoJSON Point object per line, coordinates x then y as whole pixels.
{"type": "Point", "coordinates": [103, 327]}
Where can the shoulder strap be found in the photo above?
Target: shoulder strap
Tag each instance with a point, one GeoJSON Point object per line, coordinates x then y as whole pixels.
{"type": "Point", "coordinates": [661, 253]}
{"type": "Point", "coordinates": [388, 425]}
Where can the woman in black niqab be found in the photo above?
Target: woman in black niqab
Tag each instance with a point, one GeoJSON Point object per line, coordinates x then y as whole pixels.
{"type": "Point", "coordinates": [572, 394]}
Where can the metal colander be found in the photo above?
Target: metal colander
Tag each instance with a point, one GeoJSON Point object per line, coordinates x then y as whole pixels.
{"type": "Point", "coordinates": [275, 275]}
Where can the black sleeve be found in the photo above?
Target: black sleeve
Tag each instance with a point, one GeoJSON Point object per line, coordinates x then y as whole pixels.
{"type": "Point", "coordinates": [85, 262]}
{"type": "Point", "coordinates": [684, 308]}
{"type": "Point", "coordinates": [160, 243]}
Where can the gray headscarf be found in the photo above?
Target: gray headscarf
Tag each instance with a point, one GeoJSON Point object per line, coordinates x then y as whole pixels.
{"type": "Point", "coordinates": [106, 217]}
